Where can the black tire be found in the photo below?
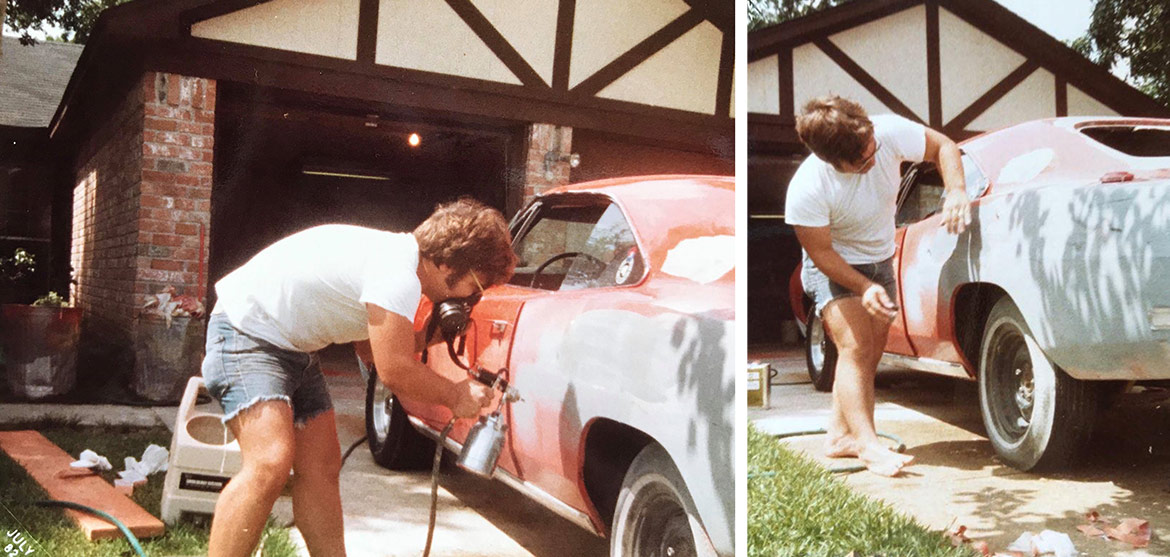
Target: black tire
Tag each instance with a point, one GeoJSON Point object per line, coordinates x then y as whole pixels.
{"type": "Point", "coordinates": [654, 516]}
{"type": "Point", "coordinates": [393, 442]}
{"type": "Point", "coordinates": [820, 354]}
{"type": "Point", "coordinates": [1037, 417]}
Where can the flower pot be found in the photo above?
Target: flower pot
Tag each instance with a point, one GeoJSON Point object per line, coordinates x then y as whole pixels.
{"type": "Point", "coordinates": [166, 355]}
{"type": "Point", "coordinates": [40, 349]}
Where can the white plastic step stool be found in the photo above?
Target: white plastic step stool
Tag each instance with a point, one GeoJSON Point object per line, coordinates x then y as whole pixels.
{"type": "Point", "coordinates": [204, 456]}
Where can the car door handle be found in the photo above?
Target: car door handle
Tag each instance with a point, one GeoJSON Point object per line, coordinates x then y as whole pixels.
{"type": "Point", "coordinates": [499, 328]}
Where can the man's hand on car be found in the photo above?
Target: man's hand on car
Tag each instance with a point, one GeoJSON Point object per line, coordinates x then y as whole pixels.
{"type": "Point", "coordinates": [956, 211]}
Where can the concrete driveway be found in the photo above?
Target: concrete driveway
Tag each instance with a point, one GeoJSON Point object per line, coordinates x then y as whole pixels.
{"type": "Point", "coordinates": [957, 479]}
{"type": "Point", "coordinates": [386, 512]}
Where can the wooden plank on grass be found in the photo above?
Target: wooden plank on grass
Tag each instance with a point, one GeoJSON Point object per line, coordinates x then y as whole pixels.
{"type": "Point", "coordinates": [49, 466]}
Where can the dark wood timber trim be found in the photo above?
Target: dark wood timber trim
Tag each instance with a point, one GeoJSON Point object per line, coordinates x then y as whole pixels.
{"type": "Point", "coordinates": [726, 73]}
{"type": "Point", "coordinates": [787, 87]}
{"type": "Point", "coordinates": [639, 53]}
{"type": "Point", "coordinates": [496, 42]}
{"type": "Point", "coordinates": [865, 79]}
{"type": "Point", "coordinates": [768, 41]}
{"type": "Point", "coordinates": [768, 132]}
{"type": "Point", "coordinates": [1061, 96]}
{"type": "Point", "coordinates": [997, 92]}
{"type": "Point", "coordinates": [367, 45]}
{"type": "Point", "coordinates": [933, 66]}
{"type": "Point", "coordinates": [563, 54]}
{"type": "Point", "coordinates": [720, 13]}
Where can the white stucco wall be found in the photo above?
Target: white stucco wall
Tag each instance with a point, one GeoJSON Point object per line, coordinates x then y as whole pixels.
{"type": "Point", "coordinates": [606, 29]}
{"type": "Point", "coordinates": [684, 75]}
{"type": "Point", "coordinates": [1081, 104]}
{"type": "Point", "coordinates": [428, 35]}
{"type": "Point", "coordinates": [971, 63]}
{"type": "Point", "coordinates": [322, 27]}
{"type": "Point", "coordinates": [893, 50]}
{"type": "Point", "coordinates": [1034, 98]}
{"type": "Point", "coordinates": [532, 31]}
{"type": "Point", "coordinates": [818, 75]}
{"type": "Point", "coordinates": [763, 85]}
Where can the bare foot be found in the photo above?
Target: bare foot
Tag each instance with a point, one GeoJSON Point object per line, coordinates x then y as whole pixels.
{"type": "Point", "coordinates": [840, 446]}
{"type": "Point", "coordinates": [880, 460]}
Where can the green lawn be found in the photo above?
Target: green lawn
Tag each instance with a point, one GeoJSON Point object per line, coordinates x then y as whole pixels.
{"type": "Point", "coordinates": [797, 508]}
{"type": "Point", "coordinates": [51, 533]}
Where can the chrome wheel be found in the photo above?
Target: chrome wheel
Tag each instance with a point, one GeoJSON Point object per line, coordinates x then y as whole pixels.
{"type": "Point", "coordinates": [816, 344]}
{"type": "Point", "coordinates": [820, 354]}
{"type": "Point", "coordinates": [383, 408]}
{"type": "Point", "coordinates": [393, 441]}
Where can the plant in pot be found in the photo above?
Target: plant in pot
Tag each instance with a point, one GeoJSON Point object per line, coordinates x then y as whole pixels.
{"type": "Point", "coordinates": [39, 340]}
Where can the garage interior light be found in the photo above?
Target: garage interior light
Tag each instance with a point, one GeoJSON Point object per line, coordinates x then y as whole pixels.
{"type": "Point", "coordinates": [345, 172]}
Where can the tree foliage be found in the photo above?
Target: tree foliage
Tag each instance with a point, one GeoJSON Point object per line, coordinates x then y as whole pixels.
{"type": "Point", "coordinates": [1134, 33]}
{"type": "Point", "coordinates": [74, 18]}
{"type": "Point", "coordinates": [765, 13]}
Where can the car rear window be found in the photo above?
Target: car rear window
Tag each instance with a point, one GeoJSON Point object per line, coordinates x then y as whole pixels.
{"type": "Point", "coordinates": [1137, 141]}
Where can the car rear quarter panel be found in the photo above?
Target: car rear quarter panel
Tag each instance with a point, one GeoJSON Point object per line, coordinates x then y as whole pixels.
{"type": "Point", "coordinates": [1084, 263]}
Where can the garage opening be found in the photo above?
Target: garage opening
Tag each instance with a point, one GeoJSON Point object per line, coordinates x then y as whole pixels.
{"type": "Point", "coordinates": [283, 164]}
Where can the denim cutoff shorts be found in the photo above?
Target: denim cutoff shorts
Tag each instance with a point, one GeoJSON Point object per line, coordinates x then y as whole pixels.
{"type": "Point", "coordinates": [822, 290]}
{"type": "Point", "coordinates": [240, 371]}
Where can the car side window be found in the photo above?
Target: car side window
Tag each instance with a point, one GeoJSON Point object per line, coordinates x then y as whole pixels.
{"type": "Point", "coordinates": [571, 247]}
{"type": "Point", "coordinates": [976, 182]}
{"type": "Point", "coordinates": [921, 194]}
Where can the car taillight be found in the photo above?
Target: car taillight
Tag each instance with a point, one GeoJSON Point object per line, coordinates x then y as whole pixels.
{"type": "Point", "coordinates": [1115, 177]}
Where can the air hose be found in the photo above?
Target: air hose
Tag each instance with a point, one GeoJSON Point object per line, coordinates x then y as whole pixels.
{"type": "Point", "coordinates": [434, 479]}
{"type": "Point", "coordinates": [435, 485]}
{"type": "Point", "coordinates": [901, 448]}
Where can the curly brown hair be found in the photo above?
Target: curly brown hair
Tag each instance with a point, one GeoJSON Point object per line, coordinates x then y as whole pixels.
{"type": "Point", "coordinates": [835, 129]}
{"type": "Point", "coordinates": [465, 235]}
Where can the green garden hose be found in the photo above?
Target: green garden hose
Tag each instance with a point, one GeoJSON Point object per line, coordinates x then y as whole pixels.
{"type": "Point", "coordinates": [100, 514]}
{"type": "Point", "coordinates": [901, 448]}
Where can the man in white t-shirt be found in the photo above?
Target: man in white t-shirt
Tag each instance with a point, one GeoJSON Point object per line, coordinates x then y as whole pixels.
{"type": "Point", "coordinates": [841, 202]}
{"type": "Point", "coordinates": [332, 284]}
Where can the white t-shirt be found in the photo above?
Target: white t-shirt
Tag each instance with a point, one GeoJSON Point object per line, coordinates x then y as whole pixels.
{"type": "Point", "coordinates": [859, 209]}
{"type": "Point", "coordinates": [309, 290]}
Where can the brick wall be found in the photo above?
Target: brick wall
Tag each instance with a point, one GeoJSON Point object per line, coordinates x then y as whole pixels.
{"type": "Point", "coordinates": [543, 139]}
{"type": "Point", "coordinates": [175, 202]}
{"type": "Point", "coordinates": [141, 201]}
{"type": "Point", "coordinates": [105, 215]}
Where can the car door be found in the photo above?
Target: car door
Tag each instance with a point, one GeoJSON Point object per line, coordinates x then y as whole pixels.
{"type": "Point", "coordinates": [546, 427]}
{"type": "Point", "coordinates": [926, 252]}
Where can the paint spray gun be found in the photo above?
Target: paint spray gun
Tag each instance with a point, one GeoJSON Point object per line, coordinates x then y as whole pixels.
{"type": "Point", "coordinates": [481, 449]}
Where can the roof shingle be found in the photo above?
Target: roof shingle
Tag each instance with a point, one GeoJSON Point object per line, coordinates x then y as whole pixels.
{"type": "Point", "coordinates": [32, 80]}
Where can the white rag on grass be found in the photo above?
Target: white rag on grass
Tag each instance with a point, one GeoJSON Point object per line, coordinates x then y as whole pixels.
{"type": "Point", "coordinates": [154, 459]}
{"type": "Point", "coordinates": [90, 459]}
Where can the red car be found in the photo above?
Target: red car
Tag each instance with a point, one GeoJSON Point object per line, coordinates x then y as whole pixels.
{"type": "Point", "coordinates": [1057, 294]}
{"type": "Point", "coordinates": [617, 329]}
